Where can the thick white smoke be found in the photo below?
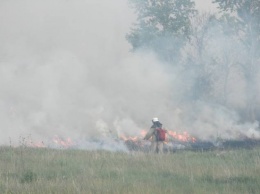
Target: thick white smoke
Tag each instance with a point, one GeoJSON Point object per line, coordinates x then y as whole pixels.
{"type": "Point", "coordinates": [66, 70]}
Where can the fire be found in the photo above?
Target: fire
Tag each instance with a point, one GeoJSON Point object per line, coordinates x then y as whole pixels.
{"type": "Point", "coordinates": [132, 142]}
{"type": "Point", "coordinates": [183, 137]}
{"type": "Point", "coordinates": [64, 143]}
{"type": "Point", "coordinates": [136, 143]}
{"type": "Point", "coordinates": [172, 135]}
{"type": "Point", "coordinates": [56, 142]}
{"type": "Point", "coordinates": [123, 137]}
{"type": "Point", "coordinates": [37, 144]}
{"type": "Point", "coordinates": [135, 138]}
{"type": "Point", "coordinates": [143, 133]}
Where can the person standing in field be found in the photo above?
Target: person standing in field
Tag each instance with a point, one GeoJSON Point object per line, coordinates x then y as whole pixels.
{"type": "Point", "coordinates": [158, 135]}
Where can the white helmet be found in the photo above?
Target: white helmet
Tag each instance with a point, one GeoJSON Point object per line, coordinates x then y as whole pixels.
{"type": "Point", "coordinates": [155, 119]}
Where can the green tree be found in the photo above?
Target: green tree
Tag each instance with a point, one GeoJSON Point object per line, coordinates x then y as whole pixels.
{"type": "Point", "coordinates": [244, 16]}
{"type": "Point", "coordinates": [162, 26]}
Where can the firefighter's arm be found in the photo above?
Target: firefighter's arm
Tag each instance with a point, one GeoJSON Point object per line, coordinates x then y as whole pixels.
{"type": "Point", "coordinates": [166, 135]}
{"type": "Point", "coordinates": [149, 134]}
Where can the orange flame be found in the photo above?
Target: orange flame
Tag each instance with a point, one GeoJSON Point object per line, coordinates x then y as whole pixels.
{"type": "Point", "coordinates": [184, 136]}
{"type": "Point", "coordinates": [37, 144]}
{"type": "Point", "coordinates": [65, 143]}
{"type": "Point", "coordinates": [134, 138]}
{"type": "Point", "coordinates": [62, 143]}
{"type": "Point", "coordinates": [179, 136]}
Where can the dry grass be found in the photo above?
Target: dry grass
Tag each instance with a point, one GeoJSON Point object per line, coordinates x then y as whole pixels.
{"type": "Point", "coordinates": [28, 170]}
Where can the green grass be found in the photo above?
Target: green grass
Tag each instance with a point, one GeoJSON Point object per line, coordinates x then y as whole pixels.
{"type": "Point", "coordinates": [28, 170]}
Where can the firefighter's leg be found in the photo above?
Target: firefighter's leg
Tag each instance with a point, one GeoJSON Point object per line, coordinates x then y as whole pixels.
{"type": "Point", "coordinates": [160, 147]}
{"type": "Point", "coordinates": [153, 147]}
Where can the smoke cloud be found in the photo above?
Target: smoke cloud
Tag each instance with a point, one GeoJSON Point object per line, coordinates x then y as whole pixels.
{"type": "Point", "coordinates": [66, 70]}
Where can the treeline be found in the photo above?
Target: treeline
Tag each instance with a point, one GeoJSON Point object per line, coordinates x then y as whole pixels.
{"type": "Point", "coordinates": [217, 54]}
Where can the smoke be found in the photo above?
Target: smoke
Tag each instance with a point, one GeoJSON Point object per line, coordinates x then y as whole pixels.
{"type": "Point", "coordinates": [205, 5]}
{"type": "Point", "coordinates": [66, 70]}
{"type": "Point", "coordinates": [218, 86]}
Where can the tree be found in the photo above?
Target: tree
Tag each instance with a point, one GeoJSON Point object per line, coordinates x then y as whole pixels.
{"type": "Point", "coordinates": [194, 57]}
{"type": "Point", "coordinates": [162, 26]}
{"type": "Point", "coordinates": [246, 16]}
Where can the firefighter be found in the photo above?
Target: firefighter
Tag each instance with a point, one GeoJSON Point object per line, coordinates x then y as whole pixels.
{"type": "Point", "coordinates": [157, 144]}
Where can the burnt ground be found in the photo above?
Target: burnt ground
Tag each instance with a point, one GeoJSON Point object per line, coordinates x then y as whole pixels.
{"type": "Point", "coordinates": [196, 146]}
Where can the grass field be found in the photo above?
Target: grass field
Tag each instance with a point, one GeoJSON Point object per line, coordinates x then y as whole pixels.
{"type": "Point", "coordinates": [42, 170]}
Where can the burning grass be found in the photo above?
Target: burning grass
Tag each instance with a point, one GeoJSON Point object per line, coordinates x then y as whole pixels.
{"type": "Point", "coordinates": [43, 170]}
